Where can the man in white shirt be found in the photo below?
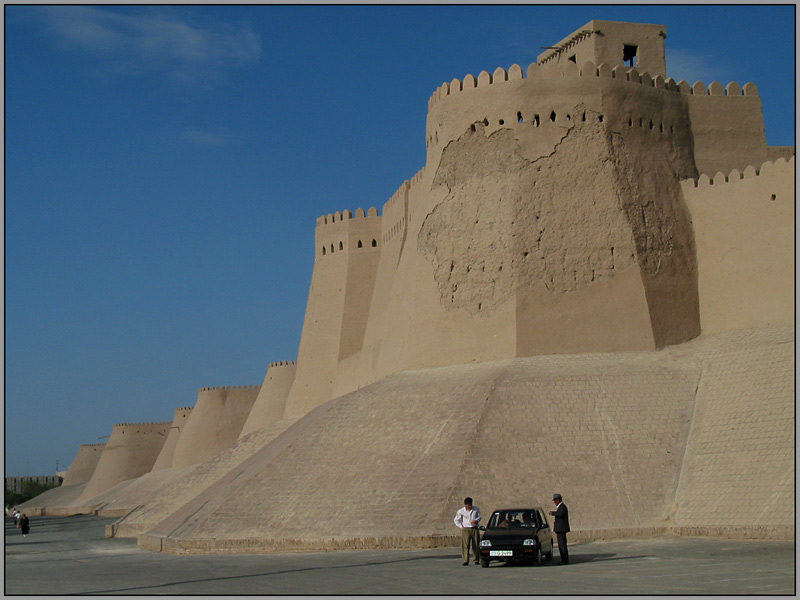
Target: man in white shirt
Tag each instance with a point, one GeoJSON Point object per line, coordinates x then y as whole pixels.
{"type": "Point", "coordinates": [468, 519]}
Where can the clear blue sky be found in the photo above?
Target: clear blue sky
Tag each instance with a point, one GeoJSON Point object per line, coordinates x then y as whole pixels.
{"type": "Point", "coordinates": [165, 166]}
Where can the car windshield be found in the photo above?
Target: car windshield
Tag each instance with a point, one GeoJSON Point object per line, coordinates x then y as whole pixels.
{"type": "Point", "coordinates": [511, 519]}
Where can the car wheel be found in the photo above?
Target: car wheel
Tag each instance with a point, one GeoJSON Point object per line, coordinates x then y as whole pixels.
{"type": "Point", "coordinates": [536, 559]}
{"type": "Point", "coordinates": [484, 562]}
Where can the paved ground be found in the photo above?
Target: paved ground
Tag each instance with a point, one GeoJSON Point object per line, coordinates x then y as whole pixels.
{"type": "Point", "coordinates": [70, 555]}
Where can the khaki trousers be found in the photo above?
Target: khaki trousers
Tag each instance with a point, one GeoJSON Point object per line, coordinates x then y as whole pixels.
{"type": "Point", "coordinates": [469, 537]}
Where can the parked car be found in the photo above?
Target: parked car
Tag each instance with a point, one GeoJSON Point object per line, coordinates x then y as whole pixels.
{"type": "Point", "coordinates": [517, 535]}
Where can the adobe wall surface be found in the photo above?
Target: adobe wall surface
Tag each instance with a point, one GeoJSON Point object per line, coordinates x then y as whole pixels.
{"type": "Point", "coordinates": [739, 469]}
{"type": "Point", "coordinates": [183, 485]}
{"type": "Point", "coordinates": [214, 424]}
{"type": "Point", "coordinates": [347, 252]}
{"type": "Point", "coordinates": [270, 404]}
{"type": "Point", "coordinates": [745, 228]}
{"type": "Point", "coordinates": [164, 460]}
{"type": "Point", "coordinates": [84, 464]}
{"type": "Point", "coordinates": [636, 442]}
{"type": "Point", "coordinates": [131, 451]}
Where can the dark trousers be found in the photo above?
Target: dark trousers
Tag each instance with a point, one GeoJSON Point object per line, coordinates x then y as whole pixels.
{"type": "Point", "coordinates": [561, 538]}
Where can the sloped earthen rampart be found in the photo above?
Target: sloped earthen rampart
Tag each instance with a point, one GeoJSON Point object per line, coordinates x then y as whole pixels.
{"type": "Point", "coordinates": [214, 424]}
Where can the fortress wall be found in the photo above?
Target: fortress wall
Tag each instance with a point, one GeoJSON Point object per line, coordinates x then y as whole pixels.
{"type": "Point", "coordinates": [606, 431]}
{"type": "Point", "coordinates": [396, 444]}
{"type": "Point", "coordinates": [341, 284]}
{"type": "Point", "coordinates": [188, 483]}
{"type": "Point", "coordinates": [214, 424]}
{"type": "Point", "coordinates": [740, 462]}
{"type": "Point", "coordinates": [364, 237]}
{"type": "Point", "coordinates": [131, 451]}
{"type": "Point", "coordinates": [84, 464]}
{"type": "Point", "coordinates": [728, 127]}
{"type": "Point", "coordinates": [164, 460]}
{"type": "Point", "coordinates": [271, 401]}
{"type": "Point", "coordinates": [744, 225]}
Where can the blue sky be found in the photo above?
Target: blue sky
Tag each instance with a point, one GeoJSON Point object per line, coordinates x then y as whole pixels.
{"type": "Point", "coordinates": [165, 166]}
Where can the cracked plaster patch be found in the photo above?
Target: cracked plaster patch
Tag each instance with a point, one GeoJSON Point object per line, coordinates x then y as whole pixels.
{"type": "Point", "coordinates": [567, 219]}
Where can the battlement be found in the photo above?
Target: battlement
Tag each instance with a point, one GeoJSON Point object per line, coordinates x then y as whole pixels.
{"type": "Point", "coordinates": [227, 388]}
{"type": "Point", "coordinates": [342, 231]}
{"type": "Point", "coordinates": [143, 424]}
{"type": "Point", "coordinates": [283, 363]}
{"type": "Point", "coordinates": [589, 69]}
{"type": "Point", "coordinates": [184, 408]}
{"type": "Point", "coordinates": [734, 175]}
{"type": "Point", "coordinates": [346, 215]}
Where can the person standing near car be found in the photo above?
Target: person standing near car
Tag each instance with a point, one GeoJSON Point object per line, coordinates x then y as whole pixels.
{"type": "Point", "coordinates": [468, 519]}
{"type": "Point", "coordinates": [561, 527]}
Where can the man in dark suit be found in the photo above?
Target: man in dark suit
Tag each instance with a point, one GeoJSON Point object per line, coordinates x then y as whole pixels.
{"type": "Point", "coordinates": [561, 527]}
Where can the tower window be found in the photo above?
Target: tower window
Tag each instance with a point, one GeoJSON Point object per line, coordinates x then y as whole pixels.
{"type": "Point", "coordinates": [629, 55]}
{"type": "Point", "coordinates": [572, 59]}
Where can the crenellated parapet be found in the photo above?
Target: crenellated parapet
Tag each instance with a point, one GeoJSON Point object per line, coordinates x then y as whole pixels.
{"type": "Point", "coordinates": [543, 92]}
{"type": "Point", "coordinates": [143, 425]}
{"type": "Point", "coordinates": [283, 363]}
{"type": "Point", "coordinates": [750, 172]}
{"type": "Point", "coordinates": [229, 388]}
{"type": "Point", "coordinates": [346, 231]}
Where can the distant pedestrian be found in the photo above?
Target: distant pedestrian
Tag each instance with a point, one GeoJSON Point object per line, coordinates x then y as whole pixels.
{"type": "Point", "coordinates": [16, 518]}
{"type": "Point", "coordinates": [468, 519]}
{"type": "Point", "coordinates": [561, 527]}
{"type": "Point", "coordinates": [24, 525]}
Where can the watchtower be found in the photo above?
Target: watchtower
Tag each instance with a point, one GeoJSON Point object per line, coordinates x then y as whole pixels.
{"type": "Point", "coordinates": [614, 43]}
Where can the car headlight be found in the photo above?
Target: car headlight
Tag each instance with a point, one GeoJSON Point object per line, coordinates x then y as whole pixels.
{"type": "Point", "coordinates": [529, 543]}
{"type": "Point", "coordinates": [486, 542]}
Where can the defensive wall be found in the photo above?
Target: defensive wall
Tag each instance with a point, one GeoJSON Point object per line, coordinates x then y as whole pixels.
{"type": "Point", "coordinates": [131, 451]}
{"type": "Point", "coordinates": [346, 259]}
{"type": "Point", "coordinates": [616, 433]}
{"type": "Point", "coordinates": [588, 288]}
{"type": "Point", "coordinates": [84, 464]}
{"type": "Point", "coordinates": [270, 404]}
{"type": "Point", "coordinates": [744, 226]}
{"type": "Point", "coordinates": [214, 423]}
{"type": "Point", "coordinates": [165, 457]}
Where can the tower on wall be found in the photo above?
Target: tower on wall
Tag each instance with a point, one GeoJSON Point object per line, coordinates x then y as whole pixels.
{"type": "Point", "coordinates": [613, 43]}
{"type": "Point", "coordinates": [347, 252]}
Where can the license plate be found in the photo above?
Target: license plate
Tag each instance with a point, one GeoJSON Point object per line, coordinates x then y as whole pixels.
{"type": "Point", "coordinates": [501, 553]}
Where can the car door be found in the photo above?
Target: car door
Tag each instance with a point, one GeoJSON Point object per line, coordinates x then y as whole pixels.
{"type": "Point", "coordinates": [545, 536]}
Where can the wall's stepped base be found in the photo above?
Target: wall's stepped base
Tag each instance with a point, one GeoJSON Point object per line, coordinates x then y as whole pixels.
{"type": "Point", "coordinates": [609, 431]}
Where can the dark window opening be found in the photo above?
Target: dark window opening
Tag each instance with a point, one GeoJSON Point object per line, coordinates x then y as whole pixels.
{"type": "Point", "coordinates": [374, 244]}
{"type": "Point", "coordinates": [519, 117]}
{"type": "Point", "coordinates": [629, 55]}
{"type": "Point", "coordinates": [573, 59]}
{"type": "Point", "coordinates": [360, 245]}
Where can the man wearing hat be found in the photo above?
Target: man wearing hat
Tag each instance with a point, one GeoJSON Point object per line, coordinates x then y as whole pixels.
{"type": "Point", "coordinates": [561, 527]}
